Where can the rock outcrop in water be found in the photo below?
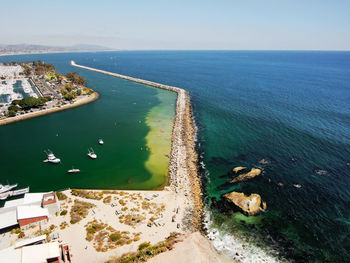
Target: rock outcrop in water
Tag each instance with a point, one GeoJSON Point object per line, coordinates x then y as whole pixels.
{"type": "Point", "coordinates": [238, 169]}
{"type": "Point", "coordinates": [254, 172]}
{"type": "Point", "coordinates": [249, 205]}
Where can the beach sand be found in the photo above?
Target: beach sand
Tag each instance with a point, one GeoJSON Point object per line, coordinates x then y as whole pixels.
{"type": "Point", "coordinates": [162, 207]}
{"type": "Point", "coordinates": [195, 248]}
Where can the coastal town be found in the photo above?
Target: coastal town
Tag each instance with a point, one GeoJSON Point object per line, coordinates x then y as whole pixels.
{"type": "Point", "coordinates": [35, 88]}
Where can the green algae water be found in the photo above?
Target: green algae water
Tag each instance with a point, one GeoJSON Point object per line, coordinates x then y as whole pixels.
{"type": "Point", "coordinates": [134, 120]}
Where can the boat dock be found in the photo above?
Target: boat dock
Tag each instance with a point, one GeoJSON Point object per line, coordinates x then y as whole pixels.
{"type": "Point", "coordinates": [8, 194]}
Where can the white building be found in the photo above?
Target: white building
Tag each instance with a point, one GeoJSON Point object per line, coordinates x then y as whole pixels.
{"type": "Point", "coordinates": [33, 209]}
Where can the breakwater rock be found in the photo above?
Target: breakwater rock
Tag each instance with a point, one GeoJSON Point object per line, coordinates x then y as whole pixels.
{"type": "Point", "coordinates": [183, 168]}
{"type": "Point", "coordinates": [238, 169]}
{"type": "Point", "coordinates": [249, 205]}
{"type": "Point", "coordinates": [254, 172]}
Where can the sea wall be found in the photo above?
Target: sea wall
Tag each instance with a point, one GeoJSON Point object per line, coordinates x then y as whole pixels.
{"type": "Point", "coordinates": [183, 160]}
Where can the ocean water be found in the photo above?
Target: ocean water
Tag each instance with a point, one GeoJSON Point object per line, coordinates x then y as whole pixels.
{"type": "Point", "coordinates": [291, 107]}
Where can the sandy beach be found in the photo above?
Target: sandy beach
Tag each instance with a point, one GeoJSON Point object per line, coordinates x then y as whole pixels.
{"type": "Point", "coordinates": [79, 101]}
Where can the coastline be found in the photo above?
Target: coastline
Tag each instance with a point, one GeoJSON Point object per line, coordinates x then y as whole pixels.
{"type": "Point", "coordinates": [85, 100]}
{"type": "Point", "coordinates": [140, 216]}
{"type": "Point", "coordinates": [182, 171]}
{"type": "Point", "coordinates": [52, 52]}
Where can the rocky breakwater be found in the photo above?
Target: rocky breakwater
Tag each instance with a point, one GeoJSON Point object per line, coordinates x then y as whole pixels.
{"type": "Point", "coordinates": [183, 172]}
{"type": "Point", "coordinates": [249, 205]}
{"type": "Point", "coordinates": [254, 172]}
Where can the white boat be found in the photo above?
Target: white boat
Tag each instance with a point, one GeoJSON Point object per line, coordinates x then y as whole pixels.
{"type": "Point", "coordinates": [73, 171]}
{"type": "Point", "coordinates": [6, 188]}
{"type": "Point", "coordinates": [51, 158]}
{"type": "Point", "coordinates": [92, 154]}
{"type": "Point", "coordinates": [100, 141]}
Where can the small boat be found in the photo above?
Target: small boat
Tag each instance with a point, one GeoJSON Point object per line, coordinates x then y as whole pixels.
{"type": "Point", "coordinates": [73, 171]}
{"type": "Point", "coordinates": [6, 188]}
{"type": "Point", "coordinates": [92, 154]}
{"type": "Point", "coordinates": [51, 158]}
{"type": "Point", "coordinates": [100, 141]}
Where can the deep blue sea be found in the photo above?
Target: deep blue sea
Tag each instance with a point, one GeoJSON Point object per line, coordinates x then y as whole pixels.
{"type": "Point", "coordinates": [289, 107]}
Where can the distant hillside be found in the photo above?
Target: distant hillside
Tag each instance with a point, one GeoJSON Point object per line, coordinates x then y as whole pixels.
{"type": "Point", "coordinates": [28, 48]}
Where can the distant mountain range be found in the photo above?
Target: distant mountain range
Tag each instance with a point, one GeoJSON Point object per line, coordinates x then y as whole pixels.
{"type": "Point", "coordinates": [28, 48]}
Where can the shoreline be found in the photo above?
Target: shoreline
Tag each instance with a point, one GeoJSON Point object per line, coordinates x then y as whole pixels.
{"type": "Point", "coordinates": [183, 173]}
{"type": "Point", "coordinates": [53, 52]}
{"type": "Point", "coordinates": [85, 100]}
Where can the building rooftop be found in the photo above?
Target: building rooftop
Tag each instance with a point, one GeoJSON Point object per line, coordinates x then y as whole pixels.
{"type": "Point", "coordinates": [15, 202]}
{"type": "Point", "coordinates": [8, 217]}
{"type": "Point", "coordinates": [30, 241]}
{"type": "Point", "coordinates": [30, 198]}
{"type": "Point", "coordinates": [30, 211]}
{"type": "Point", "coordinates": [30, 254]}
{"type": "Point", "coordinates": [40, 253]}
{"type": "Point", "coordinates": [11, 255]}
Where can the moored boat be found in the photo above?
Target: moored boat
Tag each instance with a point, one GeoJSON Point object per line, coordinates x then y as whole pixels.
{"type": "Point", "coordinates": [92, 154]}
{"type": "Point", "coordinates": [6, 188]}
{"type": "Point", "coordinates": [73, 171]}
{"type": "Point", "coordinates": [51, 158]}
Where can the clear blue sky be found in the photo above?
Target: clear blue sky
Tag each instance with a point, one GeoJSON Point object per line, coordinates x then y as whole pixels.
{"type": "Point", "coordinates": [179, 24]}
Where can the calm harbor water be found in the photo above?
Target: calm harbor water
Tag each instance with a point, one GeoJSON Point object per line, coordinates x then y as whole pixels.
{"type": "Point", "coordinates": [248, 105]}
{"type": "Point", "coordinates": [119, 116]}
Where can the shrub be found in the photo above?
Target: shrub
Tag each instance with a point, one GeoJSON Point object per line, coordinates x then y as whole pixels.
{"type": "Point", "coordinates": [79, 211]}
{"type": "Point", "coordinates": [63, 213]}
{"type": "Point", "coordinates": [144, 245]}
{"type": "Point", "coordinates": [115, 236]}
{"type": "Point", "coordinates": [61, 196]}
{"type": "Point", "coordinates": [16, 231]}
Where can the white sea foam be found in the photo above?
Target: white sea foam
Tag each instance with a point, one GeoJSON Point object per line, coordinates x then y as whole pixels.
{"type": "Point", "coordinates": [236, 248]}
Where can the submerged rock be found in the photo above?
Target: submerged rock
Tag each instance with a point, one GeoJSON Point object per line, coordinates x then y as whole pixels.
{"type": "Point", "coordinates": [321, 172]}
{"type": "Point", "coordinates": [238, 169]}
{"type": "Point", "coordinates": [264, 161]}
{"type": "Point", "coordinates": [249, 205]}
{"type": "Point", "coordinates": [244, 177]}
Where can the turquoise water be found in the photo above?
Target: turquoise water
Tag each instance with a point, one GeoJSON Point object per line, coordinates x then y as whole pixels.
{"type": "Point", "coordinates": [251, 105]}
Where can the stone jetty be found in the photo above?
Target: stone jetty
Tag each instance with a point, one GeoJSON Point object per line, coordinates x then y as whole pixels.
{"type": "Point", "coordinates": [182, 171]}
